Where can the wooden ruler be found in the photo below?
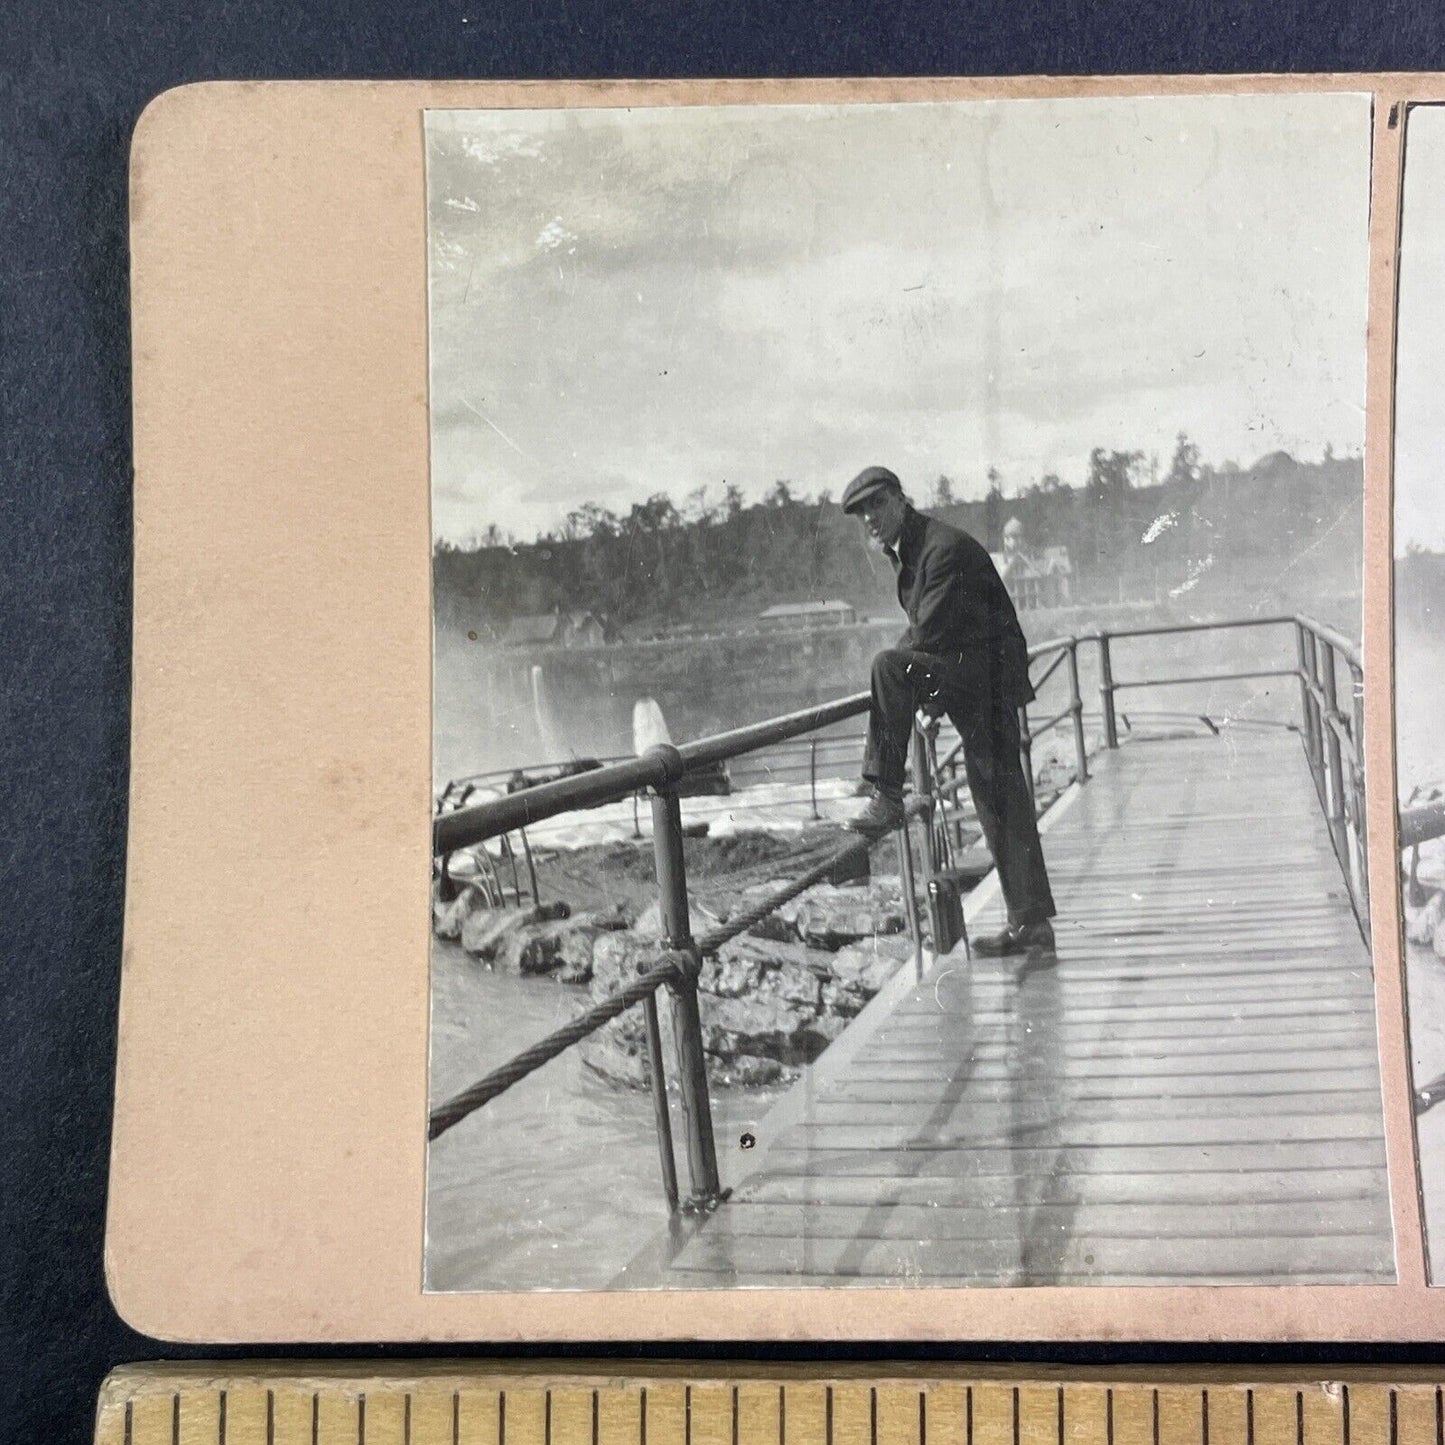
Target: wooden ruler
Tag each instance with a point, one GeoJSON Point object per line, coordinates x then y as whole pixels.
{"type": "Point", "coordinates": [450, 1404]}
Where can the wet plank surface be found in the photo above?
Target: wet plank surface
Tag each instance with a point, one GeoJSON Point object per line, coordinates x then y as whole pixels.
{"type": "Point", "coordinates": [1190, 1094]}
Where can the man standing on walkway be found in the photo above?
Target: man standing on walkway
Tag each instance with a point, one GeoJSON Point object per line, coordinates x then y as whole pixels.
{"type": "Point", "coordinates": [964, 655]}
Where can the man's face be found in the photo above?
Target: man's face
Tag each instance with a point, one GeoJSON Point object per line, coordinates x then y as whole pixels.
{"type": "Point", "coordinates": [882, 516]}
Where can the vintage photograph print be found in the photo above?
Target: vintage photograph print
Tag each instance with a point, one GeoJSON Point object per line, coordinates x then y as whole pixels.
{"type": "Point", "coordinates": [897, 688]}
{"type": "Point", "coordinates": [1420, 644]}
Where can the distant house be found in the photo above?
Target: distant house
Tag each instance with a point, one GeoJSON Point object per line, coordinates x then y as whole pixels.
{"type": "Point", "coordinates": [790, 616]}
{"type": "Point", "coordinates": [1042, 578]}
{"type": "Point", "coordinates": [555, 629]}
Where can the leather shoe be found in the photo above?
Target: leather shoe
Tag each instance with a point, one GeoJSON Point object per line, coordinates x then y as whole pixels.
{"type": "Point", "coordinates": [882, 815]}
{"type": "Point", "coordinates": [1028, 938]}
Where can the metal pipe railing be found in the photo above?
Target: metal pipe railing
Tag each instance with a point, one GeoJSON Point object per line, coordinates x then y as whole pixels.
{"type": "Point", "coordinates": [1422, 824]}
{"type": "Point", "coordinates": [1331, 743]}
{"type": "Point", "coordinates": [682, 992]}
{"type": "Point", "coordinates": [657, 768]}
{"type": "Point", "coordinates": [1333, 739]}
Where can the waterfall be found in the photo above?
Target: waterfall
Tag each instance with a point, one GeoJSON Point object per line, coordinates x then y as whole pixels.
{"type": "Point", "coordinates": [649, 727]}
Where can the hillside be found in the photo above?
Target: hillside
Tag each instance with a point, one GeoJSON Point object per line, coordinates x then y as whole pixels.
{"type": "Point", "coordinates": [1277, 534]}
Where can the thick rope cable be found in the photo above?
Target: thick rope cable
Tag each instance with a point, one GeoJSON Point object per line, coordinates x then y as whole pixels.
{"type": "Point", "coordinates": [739, 923]}
{"type": "Point", "coordinates": [670, 968]}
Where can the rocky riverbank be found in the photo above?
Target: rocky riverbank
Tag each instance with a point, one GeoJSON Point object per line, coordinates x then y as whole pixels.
{"type": "Point", "coordinates": [771, 1000]}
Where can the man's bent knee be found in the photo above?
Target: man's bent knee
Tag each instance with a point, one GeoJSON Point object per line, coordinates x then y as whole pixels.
{"type": "Point", "coordinates": [891, 663]}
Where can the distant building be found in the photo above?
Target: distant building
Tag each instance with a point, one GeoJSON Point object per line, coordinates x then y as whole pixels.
{"type": "Point", "coordinates": [789, 616]}
{"type": "Point", "coordinates": [1042, 578]}
{"type": "Point", "coordinates": [555, 629]}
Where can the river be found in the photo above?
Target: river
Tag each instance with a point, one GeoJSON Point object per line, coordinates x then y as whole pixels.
{"type": "Point", "coordinates": [556, 1184]}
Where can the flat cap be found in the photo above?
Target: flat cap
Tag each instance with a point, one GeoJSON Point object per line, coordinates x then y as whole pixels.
{"type": "Point", "coordinates": [868, 481]}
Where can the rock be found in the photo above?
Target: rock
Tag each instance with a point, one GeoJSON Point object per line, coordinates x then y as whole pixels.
{"type": "Point", "coordinates": [514, 945]}
{"type": "Point", "coordinates": [822, 1031]}
{"type": "Point", "coordinates": [730, 975]}
{"type": "Point", "coordinates": [832, 926]}
{"type": "Point", "coordinates": [446, 918]}
{"type": "Point", "coordinates": [1423, 924]}
{"type": "Point", "coordinates": [564, 948]}
{"type": "Point", "coordinates": [649, 921]}
{"type": "Point", "coordinates": [768, 1027]}
{"type": "Point", "coordinates": [483, 930]}
{"type": "Point", "coordinates": [617, 958]}
{"type": "Point", "coordinates": [772, 953]}
{"type": "Point", "coordinates": [612, 920]}
{"type": "Point", "coordinates": [776, 926]}
{"type": "Point", "coordinates": [747, 1071]}
{"type": "Point", "coordinates": [862, 969]}
{"type": "Point", "coordinates": [768, 1006]}
{"type": "Point", "coordinates": [841, 1001]}
{"type": "Point", "coordinates": [831, 916]}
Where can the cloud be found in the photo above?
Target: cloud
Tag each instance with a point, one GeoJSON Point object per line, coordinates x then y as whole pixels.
{"type": "Point", "coordinates": [649, 301]}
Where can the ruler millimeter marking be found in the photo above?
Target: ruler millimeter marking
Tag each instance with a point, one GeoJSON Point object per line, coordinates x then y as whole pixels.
{"type": "Point", "coordinates": [157, 1405]}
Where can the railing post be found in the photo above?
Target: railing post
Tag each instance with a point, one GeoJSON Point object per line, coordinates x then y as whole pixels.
{"type": "Point", "coordinates": [1315, 732]}
{"type": "Point", "coordinates": [910, 896]}
{"type": "Point", "coordinates": [1307, 716]}
{"type": "Point", "coordinates": [1106, 692]}
{"type": "Point", "coordinates": [1358, 780]}
{"type": "Point", "coordinates": [942, 844]}
{"type": "Point", "coordinates": [813, 775]}
{"type": "Point", "coordinates": [658, 1078]}
{"type": "Point", "coordinates": [1026, 754]}
{"type": "Point", "coordinates": [1336, 806]}
{"type": "Point", "coordinates": [686, 1019]}
{"type": "Point", "coordinates": [531, 869]}
{"type": "Point", "coordinates": [923, 788]}
{"type": "Point", "coordinates": [512, 858]}
{"type": "Point", "coordinates": [1076, 707]}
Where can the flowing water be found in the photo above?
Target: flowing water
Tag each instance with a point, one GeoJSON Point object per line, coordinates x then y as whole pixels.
{"type": "Point", "coordinates": [556, 1184]}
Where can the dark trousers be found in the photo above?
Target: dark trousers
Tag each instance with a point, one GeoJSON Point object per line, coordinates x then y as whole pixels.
{"type": "Point", "coordinates": [987, 721]}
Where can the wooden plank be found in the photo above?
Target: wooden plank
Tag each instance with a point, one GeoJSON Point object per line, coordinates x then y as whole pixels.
{"type": "Point", "coordinates": [968, 1110]}
{"type": "Point", "coordinates": [1126, 1033]}
{"type": "Point", "coordinates": [989, 1191]}
{"type": "Point", "coordinates": [959, 995]}
{"type": "Point", "coordinates": [1002, 1261]}
{"type": "Point", "coordinates": [1081, 1059]}
{"type": "Point", "coordinates": [996, 1085]}
{"type": "Point", "coordinates": [1033, 1132]}
{"type": "Point", "coordinates": [1202, 1012]}
{"type": "Point", "coordinates": [1191, 1092]}
{"type": "Point", "coordinates": [1164, 1219]}
{"type": "Point", "coordinates": [1366, 1153]}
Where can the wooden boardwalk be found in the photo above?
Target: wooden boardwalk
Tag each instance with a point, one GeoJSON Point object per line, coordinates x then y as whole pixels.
{"type": "Point", "coordinates": [1189, 1095]}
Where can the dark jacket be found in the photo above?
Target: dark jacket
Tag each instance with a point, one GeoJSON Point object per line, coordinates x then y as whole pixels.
{"type": "Point", "coordinates": [959, 610]}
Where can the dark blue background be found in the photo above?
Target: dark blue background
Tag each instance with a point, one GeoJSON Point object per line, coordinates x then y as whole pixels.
{"type": "Point", "coordinates": [73, 78]}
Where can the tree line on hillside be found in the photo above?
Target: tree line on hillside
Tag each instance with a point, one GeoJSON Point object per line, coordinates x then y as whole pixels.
{"type": "Point", "coordinates": [1128, 533]}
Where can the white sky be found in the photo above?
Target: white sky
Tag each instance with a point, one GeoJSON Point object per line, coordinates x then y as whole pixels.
{"type": "Point", "coordinates": [626, 302]}
{"type": "Point", "coordinates": [1420, 383]}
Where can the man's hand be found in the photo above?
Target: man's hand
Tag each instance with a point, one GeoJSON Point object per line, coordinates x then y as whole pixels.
{"type": "Point", "coordinates": [928, 717]}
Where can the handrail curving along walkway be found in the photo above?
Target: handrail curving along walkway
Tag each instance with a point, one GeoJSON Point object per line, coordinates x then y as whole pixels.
{"type": "Point", "coordinates": [1332, 746]}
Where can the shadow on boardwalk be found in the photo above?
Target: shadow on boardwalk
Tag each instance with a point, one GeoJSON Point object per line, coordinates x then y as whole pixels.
{"type": "Point", "coordinates": [1190, 1094]}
